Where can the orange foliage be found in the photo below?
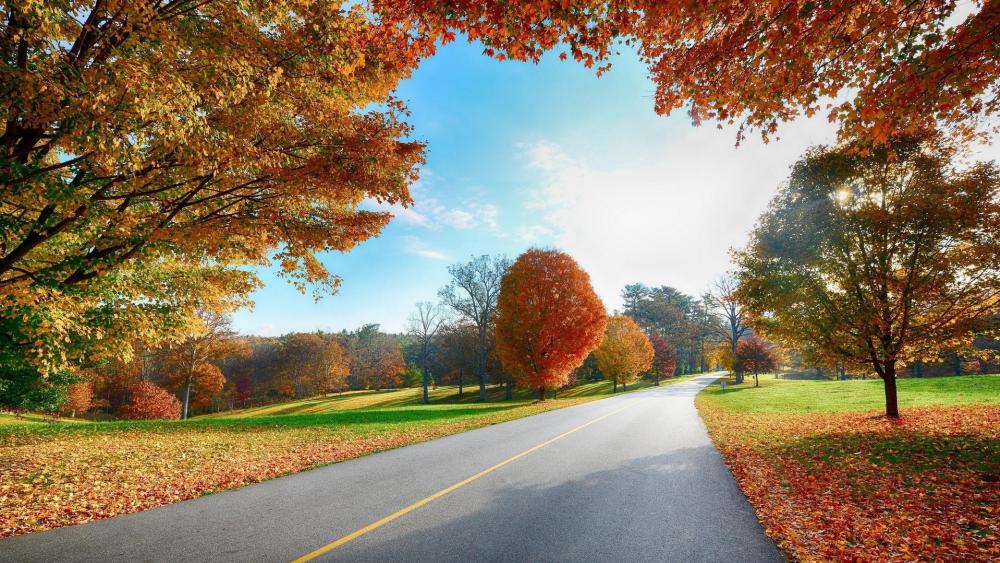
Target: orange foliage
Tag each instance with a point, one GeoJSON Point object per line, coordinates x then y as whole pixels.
{"type": "Point", "coordinates": [147, 401]}
{"type": "Point", "coordinates": [858, 487]}
{"type": "Point", "coordinates": [152, 150]}
{"type": "Point", "coordinates": [761, 62]}
{"type": "Point", "coordinates": [548, 319]}
{"type": "Point", "coordinates": [208, 381]}
{"type": "Point", "coordinates": [625, 351]}
{"type": "Point", "coordinates": [79, 399]}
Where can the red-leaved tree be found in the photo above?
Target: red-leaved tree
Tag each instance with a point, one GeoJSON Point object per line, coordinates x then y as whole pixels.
{"type": "Point", "coordinates": [148, 401]}
{"type": "Point", "coordinates": [755, 356]}
{"type": "Point", "coordinates": [548, 319]}
{"type": "Point", "coordinates": [664, 358]}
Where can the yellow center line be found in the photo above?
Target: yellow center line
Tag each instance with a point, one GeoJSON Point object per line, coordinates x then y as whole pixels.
{"type": "Point", "coordinates": [404, 511]}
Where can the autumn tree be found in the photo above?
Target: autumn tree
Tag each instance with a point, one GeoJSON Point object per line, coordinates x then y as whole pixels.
{"type": "Point", "coordinates": [424, 326]}
{"type": "Point", "coordinates": [682, 320]}
{"type": "Point", "coordinates": [664, 358]}
{"type": "Point", "coordinates": [150, 401]}
{"type": "Point", "coordinates": [755, 356]}
{"type": "Point", "coordinates": [719, 354]}
{"type": "Point", "coordinates": [732, 318]}
{"type": "Point", "coordinates": [376, 360]}
{"type": "Point", "coordinates": [187, 367]}
{"type": "Point", "coordinates": [472, 294]}
{"type": "Point", "coordinates": [891, 67]}
{"type": "Point", "coordinates": [79, 398]}
{"type": "Point", "coordinates": [151, 150]}
{"type": "Point", "coordinates": [458, 351]}
{"type": "Point", "coordinates": [625, 351]}
{"type": "Point", "coordinates": [881, 255]}
{"type": "Point", "coordinates": [548, 319]}
{"type": "Point", "coordinates": [311, 363]}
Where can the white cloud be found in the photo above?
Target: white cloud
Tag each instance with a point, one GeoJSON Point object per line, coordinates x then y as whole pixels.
{"type": "Point", "coordinates": [265, 329]}
{"type": "Point", "coordinates": [429, 212]}
{"type": "Point", "coordinates": [414, 245]}
{"type": "Point", "coordinates": [669, 220]}
{"type": "Point", "coordinates": [534, 233]}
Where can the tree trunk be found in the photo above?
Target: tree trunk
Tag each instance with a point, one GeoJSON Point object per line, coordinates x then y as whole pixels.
{"type": "Point", "coordinates": [541, 393]}
{"type": "Point", "coordinates": [891, 403]}
{"type": "Point", "coordinates": [187, 398]}
{"type": "Point", "coordinates": [426, 379]}
{"type": "Point", "coordinates": [481, 363]}
{"type": "Point", "coordinates": [624, 386]}
{"type": "Point", "coordinates": [656, 379]}
{"type": "Point", "coordinates": [737, 369]}
{"type": "Point", "coordinates": [509, 392]}
{"type": "Point", "coordinates": [843, 373]}
{"type": "Point", "coordinates": [615, 388]}
{"type": "Point", "coordinates": [756, 382]}
{"type": "Point", "coordinates": [460, 394]}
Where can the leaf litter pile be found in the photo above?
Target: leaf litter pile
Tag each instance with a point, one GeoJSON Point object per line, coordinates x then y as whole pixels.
{"type": "Point", "coordinates": [85, 472]}
{"type": "Point", "coordinates": [859, 487]}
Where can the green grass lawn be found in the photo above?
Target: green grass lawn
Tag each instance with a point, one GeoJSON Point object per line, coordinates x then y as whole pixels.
{"type": "Point", "coordinates": [411, 397]}
{"type": "Point", "coordinates": [357, 412]}
{"type": "Point", "coordinates": [805, 396]}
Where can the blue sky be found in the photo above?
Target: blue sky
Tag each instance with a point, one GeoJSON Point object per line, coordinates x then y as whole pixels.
{"type": "Point", "coordinates": [524, 155]}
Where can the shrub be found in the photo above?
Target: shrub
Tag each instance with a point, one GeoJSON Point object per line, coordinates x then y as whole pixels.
{"type": "Point", "coordinates": [147, 401]}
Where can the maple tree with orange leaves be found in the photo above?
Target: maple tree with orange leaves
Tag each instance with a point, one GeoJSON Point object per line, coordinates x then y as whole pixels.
{"type": "Point", "coordinates": [79, 398]}
{"type": "Point", "coordinates": [548, 319]}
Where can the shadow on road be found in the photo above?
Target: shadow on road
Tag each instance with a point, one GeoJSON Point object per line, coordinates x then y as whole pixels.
{"type": "Point", "coordinates": [680, 506]}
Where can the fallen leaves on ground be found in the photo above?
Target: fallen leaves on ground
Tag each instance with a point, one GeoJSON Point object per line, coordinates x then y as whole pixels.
{"type": "Point", "coordinates": [47, 480]}
{"type": "Point", "coordinates": [859, 487]}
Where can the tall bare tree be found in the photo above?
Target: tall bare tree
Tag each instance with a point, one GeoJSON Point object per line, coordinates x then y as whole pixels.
{"type": "Point", "coordinates": [732, 323]}
{"type": "Point", "coordinates": [424, 325]}
{"type": "Point", "coordinates": [472, 293]}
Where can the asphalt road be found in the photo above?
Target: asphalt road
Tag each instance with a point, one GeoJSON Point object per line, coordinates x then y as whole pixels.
{"type": "Point", "coordinates": [630, 478]}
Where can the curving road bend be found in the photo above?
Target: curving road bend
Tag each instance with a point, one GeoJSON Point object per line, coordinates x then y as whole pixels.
{"type": "Point", "coordinates": [629, 478]}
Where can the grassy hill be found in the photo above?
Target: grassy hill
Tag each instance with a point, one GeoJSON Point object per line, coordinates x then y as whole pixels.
{"type": "Point", "coordinates": [395, 398]}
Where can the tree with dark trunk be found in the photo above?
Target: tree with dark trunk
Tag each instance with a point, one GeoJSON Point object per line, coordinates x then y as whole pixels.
{"type": "Point", "coordinates": [664, 358]}
{"type": "Point", "coordinates": [424, 325]}
{"type": "Point", "coordinates": [756, 356]}
{"type": "Point", "coordinates": [472, 294]}
{"type": "Point", "coordinates": [732, 318]}
{"type": "Point", "coordinates": [878, 256]}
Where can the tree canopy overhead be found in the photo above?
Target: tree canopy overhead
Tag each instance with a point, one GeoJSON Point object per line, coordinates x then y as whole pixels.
{"type": "Point", "coordinates": [761, 62]}
{"type": "Point", "coordinates": [150, 148]}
